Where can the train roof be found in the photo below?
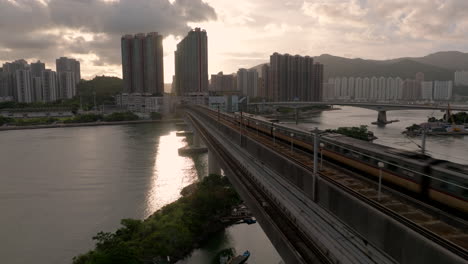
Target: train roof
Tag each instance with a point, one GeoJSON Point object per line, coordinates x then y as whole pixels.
{"type": "Point", "coordinates": [361, 145]}
{"type": "Point", "coordinates": [410, 156]}
{"type": "Point", "coordinates": [377, 148]}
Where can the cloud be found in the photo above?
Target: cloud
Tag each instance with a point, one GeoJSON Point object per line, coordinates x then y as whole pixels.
{"type": "Point", "coordinates": [48, 29]}
{"type": "Point", "coordinates": [421, 19]}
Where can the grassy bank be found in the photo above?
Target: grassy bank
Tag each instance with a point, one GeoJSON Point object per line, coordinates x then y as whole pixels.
{"type": "Point", "coordinates": [173, 231]}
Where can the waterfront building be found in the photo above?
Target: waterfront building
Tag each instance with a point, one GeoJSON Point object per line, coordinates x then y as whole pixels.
{"type": "Point", "coordinates": [191, 63]}
{"type": "Point", "coordinates": [419, 77]}
{"type": "Point", "coordinates": [391, 89]}
{"type": "Point", "coordinates": [374, 86]}
{"type": "Point", "coordinates": [23, 86]}
{"type": "Point", "coordinates": [64, 64]}
{"type": "Point", "coordinates": [67, 85]}
{"type": "Point", "coordinates": [266, 79]}
{"type": "Point", "coordinates": [366, 88]}
{"type": "Point", "coordinates": [358, 94]}
{"type": "Point", "coordinates": [247, 82]}
{"type": "Point", "coordinates": [4, 84]}
{"type": "Point", "coordinates": [382, 87]}
{"type": "Point", "coordinates": [49, 86]}
{"type": "Point", "coordinates": [294, 78]}
{"type": "Point", "coordinates": [68, 73]}
{"type": "Point", "coordinates": [399, 85]}
{"type": "Point", "coordinates": [136, 102]}
{"type": "Point", "coordinates": [226, 103]}
{"type": "Point", "coordinates": [313, 93]}
{"type": "Point", "coordinates": [328, 93]}
{"type": "Point", "coordinates": [6, 99]}
{"type": "Point", "coordinates": [36, 88]}
{"type": "Point", "coordinates": [221, 82]}
{"type": "Point", "coordinates": [351, 87]}
{"type": "Point", "coordinates": [411, 90]}
{"type": "Point", "coordinates": [461, 78]}
{"type": "Point", "coordinates": [142, 63]}
{"type": "Point", "coordinates": [443, 90]}
{"type": "Point", "coordinates": [9, 81]}
{"type": "Point", "coordinates": [337, 88]}
{"type": "Point", "coordinates": [427, 91]}
{"type": "Point", "coordinates": [344, 88]}
{"type": "Point", "coordinates": [37, 68]}
{"type": "Point", "coordinates": [12, 67]}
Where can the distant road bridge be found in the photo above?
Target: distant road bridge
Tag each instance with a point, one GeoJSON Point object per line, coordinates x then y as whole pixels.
{"type": "Point", "coordinates": [381, 108]}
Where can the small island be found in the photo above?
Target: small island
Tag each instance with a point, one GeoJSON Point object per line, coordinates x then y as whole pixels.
{"type": "Point", "coordinates": [455, 124]}
{"type": "Point", "coordinates": [360, 132]}
{"type": "Point", "coordinates": [171, 233]}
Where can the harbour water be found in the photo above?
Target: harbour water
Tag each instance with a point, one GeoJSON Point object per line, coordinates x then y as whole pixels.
{"type": "Point", "coordinates": [453, 148]}
{"type": "Point", "coordinates": [59, 187]}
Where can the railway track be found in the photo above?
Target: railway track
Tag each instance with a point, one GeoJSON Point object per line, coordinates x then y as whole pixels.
{"type": "Point", "coordinates": [451, 235]}
{"type": "Point", "coordinates": [307, 249]}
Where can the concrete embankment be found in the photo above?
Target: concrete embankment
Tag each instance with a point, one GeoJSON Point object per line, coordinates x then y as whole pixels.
{"type": "Point", "coordinates": [3, 128]}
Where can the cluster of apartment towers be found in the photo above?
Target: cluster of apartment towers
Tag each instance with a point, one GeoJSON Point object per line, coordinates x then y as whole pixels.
{"type": "Point", "coordinates": [23, 82]}
{"type": "Point", "coordinates": [286, 78]}
{"type": "Point", "coordinates": [387, 89]}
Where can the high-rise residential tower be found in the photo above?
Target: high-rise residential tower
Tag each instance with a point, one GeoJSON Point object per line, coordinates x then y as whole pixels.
{"type": "Point", "coordinates": [191, 63]}
{"type": "Point", "coordinates": [49, 86]}
{"type": "Point", "coordinates": [142, 63]}
{"type": "Point", "coordinates": [24, 86]}
{"type": "Point", "coordinates": [64, 64]}
{"type": "Point", "coordinates": [294, 78]}
{"type": "Point", "coordinates": [222, 82]}
{"type": "Point", "coordinates": [37, 68]}
{"type": "Point", "coordinates": [153, 64]}
{"type": "Point", "coordinates": [247, 82]}
{"type": "Point", "coordinates": [68, 74]}
{"type": "Point", "coordinates": [67, 84]}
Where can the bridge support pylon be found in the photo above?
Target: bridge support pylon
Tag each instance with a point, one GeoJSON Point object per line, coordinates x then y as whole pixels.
{"type": "Point", "coordinates": [196, 139]}
{"type": "Point", "coordinates": [213, 164]}
{"type": "Point", "coordinates": [382, 118]}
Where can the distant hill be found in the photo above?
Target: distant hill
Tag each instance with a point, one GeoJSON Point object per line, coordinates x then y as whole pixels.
{"type": "Point", "coordinates": [102, 85]}
{"type": "Point", "coordinates": [436, 66]}
{"type": "Point", "coordinates": [404, 68]}
{"type": "Point", "coordinates": [105, 88]}
{"type": "Point", "coordinates": [453, 60]}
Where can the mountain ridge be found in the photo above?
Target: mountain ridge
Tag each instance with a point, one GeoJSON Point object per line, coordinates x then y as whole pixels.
{"type": "Point", "coordinates": [435, 66]}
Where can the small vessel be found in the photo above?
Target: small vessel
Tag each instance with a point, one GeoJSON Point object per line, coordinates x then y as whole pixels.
{"type": "Point", "coordinates": [241, 258]}
{"type": "Point", "coordinates": [249, 221]}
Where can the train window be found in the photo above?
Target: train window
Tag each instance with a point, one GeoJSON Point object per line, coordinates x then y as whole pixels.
{"type": "Point", "coordinates": [365, 158]}
{"type": "Point", "coordinates": [345, 151]}
{"type": "Point", "coordinates": [443, 183]}
{"type": "Point", "coordinates": [465, 191]}
{"type": "Point", "coordinates": [391, 167]}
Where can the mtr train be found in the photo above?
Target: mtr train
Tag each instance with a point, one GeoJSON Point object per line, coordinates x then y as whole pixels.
{"type": "Point", "coordinates": [438, 180]}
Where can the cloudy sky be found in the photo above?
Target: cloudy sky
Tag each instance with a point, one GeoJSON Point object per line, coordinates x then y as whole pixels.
{"type": "Point", "coordinates": [241, 33]}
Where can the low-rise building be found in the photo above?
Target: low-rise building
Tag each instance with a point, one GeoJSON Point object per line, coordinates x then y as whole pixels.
{"type": "Point", "coordinates": [141, 103]}
{"type": "Point", "coordinates": [227, 103]}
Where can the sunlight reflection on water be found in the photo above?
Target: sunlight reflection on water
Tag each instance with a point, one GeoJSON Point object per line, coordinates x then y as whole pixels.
{"type": "Point", "coordinates": [171, 173]}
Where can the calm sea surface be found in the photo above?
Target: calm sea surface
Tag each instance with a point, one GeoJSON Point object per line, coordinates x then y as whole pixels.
{"type": "Point", "coordinates": [59, 187]}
